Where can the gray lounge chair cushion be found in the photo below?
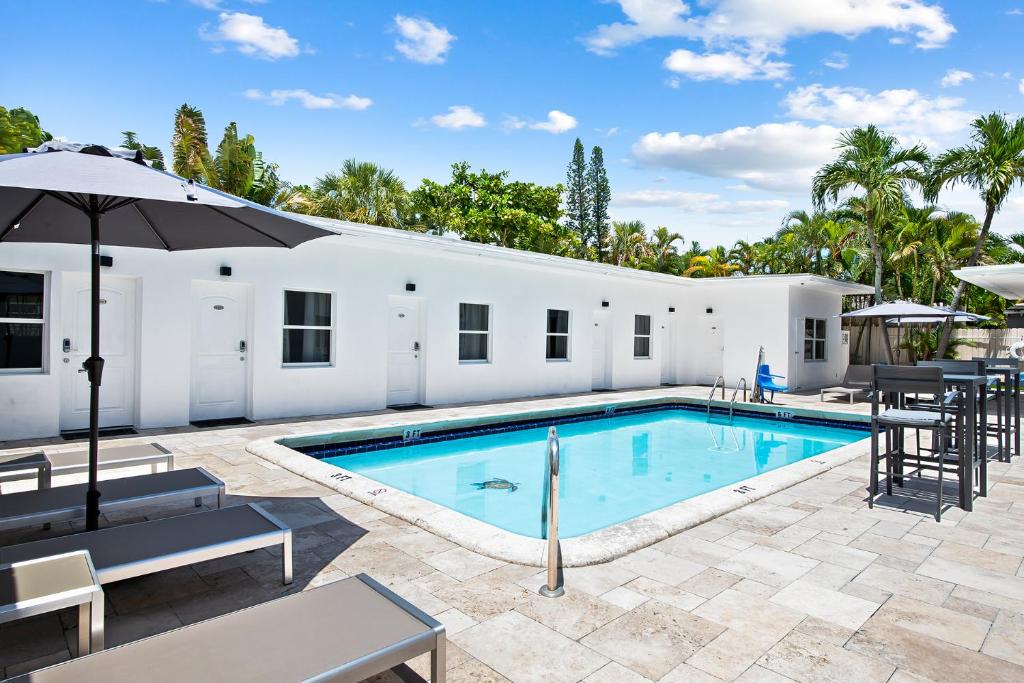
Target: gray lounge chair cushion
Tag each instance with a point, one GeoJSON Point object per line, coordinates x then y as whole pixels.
{"type": "Point", "coordinates": [113, 492]}
{"type": "Point", "coordinates": [115, 551]}
{"type": "Point", "coordinates": [342, 628]}
{"type": "Point", "coordinates": [914, 418]}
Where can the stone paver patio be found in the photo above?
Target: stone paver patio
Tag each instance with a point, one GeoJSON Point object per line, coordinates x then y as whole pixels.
{"type": "Point", "coordinates": [806, 585]}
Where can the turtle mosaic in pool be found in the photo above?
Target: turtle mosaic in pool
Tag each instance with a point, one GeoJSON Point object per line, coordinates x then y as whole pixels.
{"type": "Point", "coordinates": [612, 469]}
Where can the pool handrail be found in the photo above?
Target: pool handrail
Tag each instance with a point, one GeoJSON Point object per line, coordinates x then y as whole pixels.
{"type": "Point", "coordinates": [552, 589]}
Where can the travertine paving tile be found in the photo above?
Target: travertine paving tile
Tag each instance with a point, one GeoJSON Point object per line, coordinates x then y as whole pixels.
{"type": "Point", "coordinates": [709, 582]}
{"type": "Point", "coordinates": [613, 672]}
{"type": "Point", "coordinates": [804, 658]}
{"type": "Point", "coordinates": [625, 598]}
{"type": "Point", "coordinates": [732, 652]}
{"type": "Point", "coordinates": [462, 564]}
{"type": "Point", "coordinates": [983, 558]}
{"type": "Point", "coordinates": [975, 577]}
{"type": "Point", "coordinates": [1006, 639]}
{"type": "Point", "coordinates": [670, 595]}
{"type": "Point", "coordinates": [523, 650]}
{"type": "Point", "coordinates": [575, 614]}
{"type": "Point", "coordinates": [829, 605]}
{"type": "Point", "coordinates": [890, 547]}
{"type": "Point", "coordinates": [660, 566]}
{"type": "Point", "coordinates": [937, 622]}
{"type": "Point", "coordinates": [653, 639]}
{"type": "Point", "coordinates": [842, 555]}
{"type": "Point", "coordinates": [747, 613]}
{"type": "Point", "coordinates": [767, 565]}
{"type": "Point", "coordinates": [896, 581]}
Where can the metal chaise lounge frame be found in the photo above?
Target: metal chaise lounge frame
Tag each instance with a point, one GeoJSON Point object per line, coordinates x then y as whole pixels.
{"type": "Point", "coordinates": [858, 379]}
{"type": "Point", "coordinates": [110, 457]}
{"type": "Point", "coordinates": [348, 630]}
{"type": "Point", "coordinates": [131, 550]}
{"type": "Point", "coordinates": [45, 506]}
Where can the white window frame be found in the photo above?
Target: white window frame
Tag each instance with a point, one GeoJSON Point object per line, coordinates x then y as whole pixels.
{"type": "Point", "coordinates": [329, 328]}
{"type": "Point", "coordinates": [567, 334]}
{"type": "Point", "coordinates": [44, 324]}
{"type": "Point", "coordinates": [486, 333]}
{"type": "Point", "coordinates": [649, 336]}
{"type": "Point", "coordinates": [813, 339]}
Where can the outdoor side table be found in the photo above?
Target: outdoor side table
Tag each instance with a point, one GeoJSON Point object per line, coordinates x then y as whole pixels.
{"type": "Point", "coordinates": [53, 583]}
{"type": "Point", "coordinates": [19, 462]}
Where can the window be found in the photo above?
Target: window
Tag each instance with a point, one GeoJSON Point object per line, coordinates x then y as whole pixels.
{"type": "Point", "coordinates": [21, 321]}
{"type": "Point", "coordinates": [474, 332]}
{"type": "Point", "coordinates": [814, 339]}
{"type": "Point", "coordinates": [307, 328]}
{"type": "Point", "coordinates": [642, 336]}
{"type": "Point", "coordinates": [557, 340]}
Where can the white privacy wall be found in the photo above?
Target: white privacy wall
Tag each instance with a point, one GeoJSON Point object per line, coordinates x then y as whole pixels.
{"type": "Point", "coordinates": [365, 273]}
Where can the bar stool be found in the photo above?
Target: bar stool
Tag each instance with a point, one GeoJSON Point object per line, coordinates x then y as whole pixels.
{"type": "Point", "coordinates": [944, 423]}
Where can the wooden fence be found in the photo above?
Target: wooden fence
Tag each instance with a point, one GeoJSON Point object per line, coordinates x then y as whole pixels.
{"type": "Point", "coordinates": [989, 343]}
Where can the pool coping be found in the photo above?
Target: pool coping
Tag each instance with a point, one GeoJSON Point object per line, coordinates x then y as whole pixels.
{"type": "Point", "coordinates": [596, 547]}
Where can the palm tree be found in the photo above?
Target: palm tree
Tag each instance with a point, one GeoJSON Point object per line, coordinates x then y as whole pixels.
{"type": "Point", "coordinates": [662, 256]}
{"type": "Point", "coordinates": [715, 263]}
{"type": "Point", "coordinates": [629, 243]}
{"type": "Point", "coordinates": [362, 192]}
{"type": "Point", "coordinates": [190, 154]}
{"type": "Point", "coordinates": [874, 163]}
{"type": "Point", "coordinates": [234, 162]}
{"type": "Point", "coordinates": [151, 154]}
{"type": "Point", "coordinates": [992, 165]}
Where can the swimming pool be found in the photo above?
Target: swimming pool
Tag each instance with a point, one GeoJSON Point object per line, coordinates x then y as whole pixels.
{"type": "Point", "coordinates": [612, 468]}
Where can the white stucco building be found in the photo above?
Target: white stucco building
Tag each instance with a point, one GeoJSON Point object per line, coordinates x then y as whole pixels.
{"type": "Point", "coordinates": [375, 317]}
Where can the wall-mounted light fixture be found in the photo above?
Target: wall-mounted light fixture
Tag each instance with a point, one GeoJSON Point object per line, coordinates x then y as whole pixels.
{"type": "Point", "coordinates": [107, 261]}
{"type": "Point", "coordinates": [225, 271]}
{"type": "Point", "coordinates": [709, 310]}
{"type": "Point", "coordinates": [605, 304]}
{"type": "Point", "coordinates": [671, 309]}
{"type": "Point", "coordinates": [410, 286]}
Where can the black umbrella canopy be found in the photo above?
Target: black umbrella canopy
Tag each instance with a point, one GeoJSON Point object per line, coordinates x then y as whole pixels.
{"type": "Point", "coordinates": [45, 196]}
{"type": "Point", "coordinates": [69, 193]}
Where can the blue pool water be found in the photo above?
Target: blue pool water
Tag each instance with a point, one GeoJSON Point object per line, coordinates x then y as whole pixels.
{"type": "Point", "coordinates": [612, 469]}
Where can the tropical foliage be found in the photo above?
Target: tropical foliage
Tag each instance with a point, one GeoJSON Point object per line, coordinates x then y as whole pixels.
{"type": "Point", "coordinates": [19, 128]}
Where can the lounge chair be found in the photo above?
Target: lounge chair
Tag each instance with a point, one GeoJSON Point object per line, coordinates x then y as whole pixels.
{"type": "Point", "coordinates": [766, 382]}
{"type": "Point", "coordinates": [124, 552]}
{"type": "Point", "coordinates": [856, 380]}
{"type": "Point", "coordinates": [25, 466]}
{"type": "Point", "coordinates": [348, 630]}
{"type": "Point", "coordinates": [44, 506]}
{"type": "Point", "coordinates": [77, 461]}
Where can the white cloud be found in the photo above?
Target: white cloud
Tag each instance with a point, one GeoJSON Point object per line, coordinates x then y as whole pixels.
{"type": "Point", "coordinates": [422, 41]}
{"type": "Point", "coordinates": [1020, 86]}
{"type": "Point", "coordinates": [773, 156]}
{"type": "Point", "coordinates": [727, 66]}
{"type": "Point", "coordinates": [206, 4]}
{"type": "Point", "coordinates": [697, 202]}
{"type": "Point", "coordinates": [459, 116]}
{"type": "Point", "coordinates": [760, 23]}
{"type": "Point", "coordinates": [308, 100]}
{"type": "Point", "coordinates": [1016, 11]}
{"type": "Point", "coordinates": [251, 36]}
{"type": "Point", "coordinates": [902, 111]}
{"type": "Point", "coordinates": [837, 61]}
{"type": "Point", "coordinates": [556, 122]}
{"type": "Point", "coordinates": [955, 77]}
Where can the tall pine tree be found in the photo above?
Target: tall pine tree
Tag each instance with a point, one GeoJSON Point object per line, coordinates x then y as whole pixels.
{"type": "Point", "coordinates": [600, 194]}
{"type": "Point", "coordinates": [577, 198]}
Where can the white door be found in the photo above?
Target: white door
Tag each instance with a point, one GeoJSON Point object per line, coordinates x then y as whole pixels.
{"type": "Point", "coordinates": [710, 349]}
{"type": "Point", "coordinates": [117, 348]}
{"type": "Point", "coordinates": [600, 350]}
{"type": "Point", "coordinates": [220, 351]}
{"type": "Point", "coordinates": [405, 353]}
{"type": "Point", "coordinates": [667, 351]}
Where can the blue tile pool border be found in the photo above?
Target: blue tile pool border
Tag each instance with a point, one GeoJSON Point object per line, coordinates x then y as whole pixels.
{"type": "Point", "coordinates": [330, 450]}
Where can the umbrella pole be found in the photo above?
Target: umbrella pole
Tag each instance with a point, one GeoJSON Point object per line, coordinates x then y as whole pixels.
{"type": "Point", "coordinates": [94, 367]}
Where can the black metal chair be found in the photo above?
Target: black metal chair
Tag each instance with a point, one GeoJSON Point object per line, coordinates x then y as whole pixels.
{"type": "Point", "coordinates": [1006, 425]}
{"type": "Point", "coordinates": [890, 414]}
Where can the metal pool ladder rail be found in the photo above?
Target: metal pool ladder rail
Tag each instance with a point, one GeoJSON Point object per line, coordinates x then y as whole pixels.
{"type": "Point", "coordinates": [732, 403]}
{"type": "Point", "coordinates": [719, 380]}
{"type": "Point", "coordinates": [552, 589]}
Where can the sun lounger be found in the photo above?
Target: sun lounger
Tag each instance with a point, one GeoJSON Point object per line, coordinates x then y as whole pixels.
{"type": "Point", "coordinates": [43, 506]}
{"type": "Point", "coordinates": [77, 461]}
{"type": "Point", "coordinates": [348, 630]}
{"type": "Point", "coordinates": [14, 466]}
{"type": "Point", "coordinates": [857, 380]}
{"type": "Point", "coordinates": [124, 552]}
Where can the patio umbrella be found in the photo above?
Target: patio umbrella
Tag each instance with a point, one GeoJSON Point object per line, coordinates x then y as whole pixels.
{"type": "Point", "coordinates": [81, 194]}
{"type": "Point", "coordinates": [903, 310]}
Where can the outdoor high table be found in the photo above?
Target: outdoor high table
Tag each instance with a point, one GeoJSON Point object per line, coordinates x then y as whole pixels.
{"type": "Point", "coordinates": [1010, 378]}
{"type": "Point", "coordinates": [52, 583]}
{"type": "Point", "coordinates": [977, 386]}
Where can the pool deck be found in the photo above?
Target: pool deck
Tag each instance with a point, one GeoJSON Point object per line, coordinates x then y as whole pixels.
{"type": "Point", "coordinates": [806, 584]}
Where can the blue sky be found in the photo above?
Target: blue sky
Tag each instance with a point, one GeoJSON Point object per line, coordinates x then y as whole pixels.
{"type": "Point", "coordinates": [712, 113]}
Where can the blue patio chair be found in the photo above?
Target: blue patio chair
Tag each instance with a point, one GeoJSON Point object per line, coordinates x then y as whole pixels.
{"type": "Point", "coordinates": [766, 382]}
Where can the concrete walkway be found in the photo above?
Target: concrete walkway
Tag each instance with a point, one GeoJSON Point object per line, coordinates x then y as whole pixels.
{"type": "Point", "coordinates": [805, 585]}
